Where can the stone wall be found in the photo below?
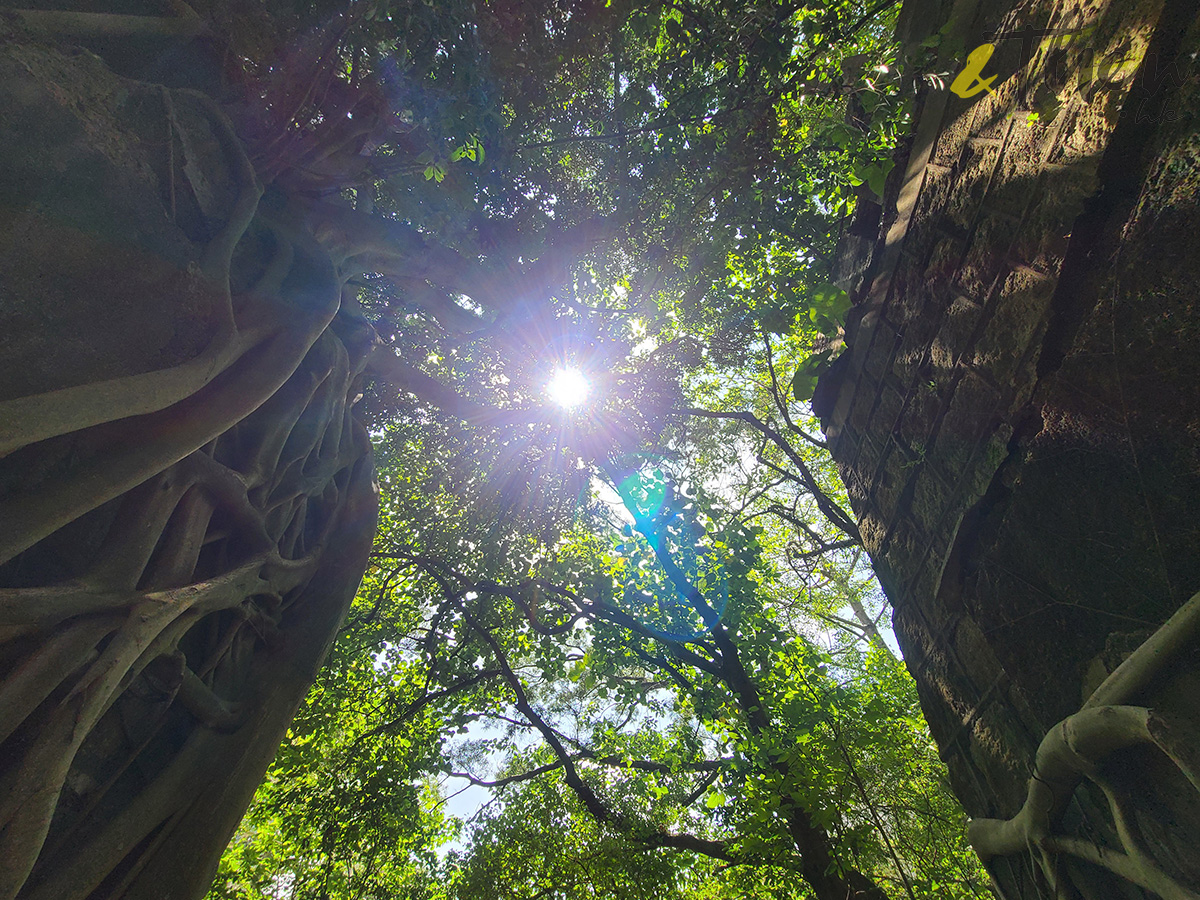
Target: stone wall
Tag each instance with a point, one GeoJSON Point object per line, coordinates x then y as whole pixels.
{"type": "Point", "coordinates": [1017, 413]}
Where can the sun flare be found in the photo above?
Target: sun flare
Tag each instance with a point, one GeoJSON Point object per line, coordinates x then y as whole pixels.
{"type": "Point", "coordinates": [568, 388]}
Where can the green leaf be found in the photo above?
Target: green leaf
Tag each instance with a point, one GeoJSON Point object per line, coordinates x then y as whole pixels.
{"type": "Point", "coordinates": [804, 382]}
{"type": "Point", "coordinates": [842, 135]}
{"type": "Point", "coordinates": [830, 300]}
{"type": "Point", "coordinates": [876, 176]}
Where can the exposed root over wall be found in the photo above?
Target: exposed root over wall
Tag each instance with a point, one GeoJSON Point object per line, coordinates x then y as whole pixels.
{"type": "Point", "coordinates": [1078, 748]}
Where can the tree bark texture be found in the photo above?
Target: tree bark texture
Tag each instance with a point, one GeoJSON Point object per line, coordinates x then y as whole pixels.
{"type": "Point", "coordinates": [186, 498]}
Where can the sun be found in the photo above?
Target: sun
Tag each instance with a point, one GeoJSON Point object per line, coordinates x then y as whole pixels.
{"type": "Point", "coordinates": [568, 388]}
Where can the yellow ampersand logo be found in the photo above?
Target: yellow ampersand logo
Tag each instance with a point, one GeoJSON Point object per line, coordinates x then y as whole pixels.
{"type": "Point", "coordinates": [968, 83]}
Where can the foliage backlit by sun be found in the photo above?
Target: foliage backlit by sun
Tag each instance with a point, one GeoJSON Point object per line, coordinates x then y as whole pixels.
{"type": "Point", "coordinates": [568, 388]}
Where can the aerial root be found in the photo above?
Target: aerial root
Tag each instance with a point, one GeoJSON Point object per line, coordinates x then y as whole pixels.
{"type": "Point", "coordinates": [123, 454]}
{"type": "Point", "coordinates": [110, 25]}
{"type": "Point", "coordinates": [27, 420]}
{"type": "Point", "coordinates": [1076, 749]}
{"type": "Point", "coordinates": [218, 254]}
{"type": "Point", "coordinates": [69, 650]}
{"type": "Point", "coordinates": [225, 492]}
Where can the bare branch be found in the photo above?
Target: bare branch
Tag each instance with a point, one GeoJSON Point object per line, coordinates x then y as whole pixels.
{"type": "Point", "coordinates": [700, 788]}
{"type": "Point", "coordinates": [421, 702]}
{"type": "Point", "coordinates": [781, 401]}
{"type": "Point", "coordinates": [837, 516]}
{"type": "Point", "coordinates": [384, 364]}
{"type": "Point", "coordinates": [594, 805]}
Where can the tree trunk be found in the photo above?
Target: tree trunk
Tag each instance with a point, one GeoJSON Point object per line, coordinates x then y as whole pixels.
{"type": "Point", "coordinates": [186, 499]}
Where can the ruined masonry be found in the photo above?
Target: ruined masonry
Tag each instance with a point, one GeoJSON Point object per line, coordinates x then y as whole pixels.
{"type": "Point", "coordinates": [1017, 419]}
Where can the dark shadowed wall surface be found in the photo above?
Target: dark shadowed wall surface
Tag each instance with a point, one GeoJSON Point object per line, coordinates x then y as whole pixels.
{"type": "Point", "coordinates": [1017, 419]}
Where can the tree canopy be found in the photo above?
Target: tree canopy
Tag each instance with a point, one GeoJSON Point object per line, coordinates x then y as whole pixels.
{"type": "Point", "coordinates": [646, 618]}
{"type": "Point", "coordinates": [651, 195]}
{"type": "Point", "coordinates": [628, 747]}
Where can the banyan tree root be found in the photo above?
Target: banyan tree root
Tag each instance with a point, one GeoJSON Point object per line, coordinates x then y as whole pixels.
{"type": "Point", "coordinates": [1077, 748]}
{"type": "Point", "coordinates": [177, 550]}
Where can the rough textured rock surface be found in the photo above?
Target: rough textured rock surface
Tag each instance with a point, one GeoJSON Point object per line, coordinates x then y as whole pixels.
{"type": "Point", "coordinates": [1017, 415]}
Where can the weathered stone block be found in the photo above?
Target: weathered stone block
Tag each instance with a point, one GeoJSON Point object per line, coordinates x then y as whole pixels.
{"type": "Point", "coordinates": [873, 530]}
{"type": "Point", "coordinates": [925, 590]}
{"type": "Point", "coordinates": [909, 294]}
{"type": "Point", "coordinates": [1032, 725]}
{"type": "Point", "coordinates": [956, 129]}
{"type": "Point", "coordinates": [971, 410]}
{"type": "Point", "coordinates": [1005, 772]}
{"type": "Point", "coordinates": [912, 354]}
{"type": "Point", "coordinates": [1022, 306]}
{"type": "Point", "coordinates": [988, 457]}
{"type": "Point", "coordinates": [944, 260]}
{"type": "Point", "coordinates": [1046, 230]}
{"type": "Point", "coordinates": [870, 454]}
{"type": "Point", "coordinates": [879, 359]}
{"type": "Point", "coordinates": [987, 256]}
{"type": "Point", "coordinates": [992, 115]}
{"type": "Point", "coordinates": [1088, 129]}
{"type": "Point", "coordinates": [929, 500]}
{"type": "Point", "coordinates": [1019, 168]}
{"type": "Point", "coordinates": [954, 337]}
{"type": "Point", "coordinates": [887, 410]}
{"type": "Point", "coordinates": [863, 403]}
{"type": "Point", "coordinates": [974, 174]}
{"type": "Point", "coordinates": [858, 487]}
{"type": "Point", "coordinates": [922, 234]}
{"type": "Point", "coordinates": [977, 657]}
{"type": "Point", "coordinates": [906, 547]}
{"type": "Point", "coordinates": [890, 479]}
{"type": "Point", "coordinates": [843, 443]}
{"type": "Point", "coordinates": [958, 504]}
{"type": "Point", "coordinates": [934, 193]}
{"type": "Point", "coordinates": [933, 669]}
{"type": "Point", "coordinates": [860, 337]}
{"type": "Point", "coordinates": [923, 406]}
{"type": "Point", "coordinates": [968, 784]}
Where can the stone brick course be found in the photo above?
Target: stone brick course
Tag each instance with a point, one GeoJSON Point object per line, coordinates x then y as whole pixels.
{"type": "Point", "coordinates": [982, 367]}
